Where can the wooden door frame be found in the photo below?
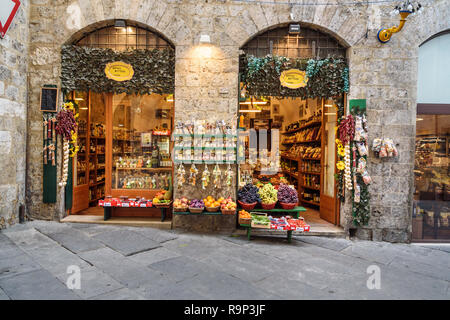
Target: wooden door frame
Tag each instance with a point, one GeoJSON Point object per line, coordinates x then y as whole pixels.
{"type": "Point", "coordinates": [337, 202]}
{"type": "Point", "coordinates": [87, 150]}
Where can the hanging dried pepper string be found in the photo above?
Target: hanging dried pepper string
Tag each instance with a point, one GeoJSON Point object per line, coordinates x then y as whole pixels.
{"type": "Point", "coordinates": [347, 129]}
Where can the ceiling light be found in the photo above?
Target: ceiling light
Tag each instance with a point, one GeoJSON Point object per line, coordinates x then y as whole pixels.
{"type": "Point", "coordinates": [294, 28]}
{"type": "Point", "coordinates": [205, 38]}
{"type": "Point", "coordinates": [250, 111]}
{"type": "Point", "coordinates": [328, 105]}
{"type": "Point", "coordinates": [254, 103]}
{"type": "Point", "coordinates": [120, 24]}
{"type": "Point", "coordinates": [419, 119]}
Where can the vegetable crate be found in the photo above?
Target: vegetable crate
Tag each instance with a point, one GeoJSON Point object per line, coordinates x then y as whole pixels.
{"type": "Point", "coordinates": [263, 225]}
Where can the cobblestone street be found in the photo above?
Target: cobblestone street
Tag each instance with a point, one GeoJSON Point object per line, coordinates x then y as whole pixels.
{"type": "Point", "coordinates": [143, 263]}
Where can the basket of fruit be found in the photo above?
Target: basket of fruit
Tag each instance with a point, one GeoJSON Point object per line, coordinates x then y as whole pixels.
{"type": "Point", "coordinates": [245, 217]}
{"type": "Point", "coordinates": [196, 206]}
{"type": "Point", "coordinates": [228, 206]}
{"type": "Point", "coordinates": [247, 206]}
{"type": "Point", "coordinates": [211, 204]}
{"type": "Point", "coordinates": [287, 196]}
{"type": "Point", "coordinates": [248, 196]}
{"type": "Point", "coordinates": [180, 205]}
{"type": "Point", "coordinates": [162, 203]}
{"type": "Point", "coordinates": [269, 197]}
{"type": "Point", "coordinates": [162, 199]}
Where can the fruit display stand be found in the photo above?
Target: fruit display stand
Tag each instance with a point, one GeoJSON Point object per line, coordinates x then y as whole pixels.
{"type": "Point", "coordinates": [111, 204]}
{"type": "Point", "coordinates": [163, 207]}
{"type": "Point", "coordinates": [289, 228]}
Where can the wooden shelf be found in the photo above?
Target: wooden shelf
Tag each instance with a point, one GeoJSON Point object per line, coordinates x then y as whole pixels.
{"type": "Point", "coordinates": [312, 159]}
{"type": "Point", "coordinates": [312, 188]}
{"type": "Point", "coordinates": [291, 158]}
{"type": "Point", "coordinates": [315, 173]}
{"type": "Point", "coordinates": [291, 174]}
{"type": "Point", "coordinates": [311, 124]}
{"type": "Point", "coordinates": [310, 202]}
{"type": "Point", "coordinates": [298, 142]}
{"type": "Point", "coordinates": [146, 169]}
{"type": "Point", "coordinates": [96, 184]}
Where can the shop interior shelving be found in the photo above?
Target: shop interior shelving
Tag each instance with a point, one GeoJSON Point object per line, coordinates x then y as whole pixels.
{"type": "Point", "coordinates": [300, 177]}
{"type": "Point", "coordinates": [96, 156]}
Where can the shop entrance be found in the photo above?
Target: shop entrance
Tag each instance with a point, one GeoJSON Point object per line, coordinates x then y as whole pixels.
{"type": "Point", "coordinates": [300, 128]}
{"type": "Point", "coordinates": [125, 145]}
{"type": "Point", "coordinates": [123, 137]}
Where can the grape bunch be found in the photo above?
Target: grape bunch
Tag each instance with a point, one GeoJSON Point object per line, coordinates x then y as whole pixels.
{"type": "Point", "coordinates": [249, 194]}
{"type": "Point", "coordinates": [268, 194]}
{"type": "Point", "coordinates": [196, 203]}
{"type": "Point", "coordinates": [287, 194]}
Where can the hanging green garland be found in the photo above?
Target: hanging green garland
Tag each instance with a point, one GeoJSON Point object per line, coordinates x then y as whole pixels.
{"type": "Point", "coordinates": [83, 68]}
{"type": "Point", "coordinates": [326, 78]}
{"type": "Point", "coordinates": [340, 152]}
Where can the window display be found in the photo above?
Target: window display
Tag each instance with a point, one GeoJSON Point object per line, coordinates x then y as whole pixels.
{"type": "Point", "coordinates": [431, 216]}
{"type": "Point", "coordinates": [141, 143]}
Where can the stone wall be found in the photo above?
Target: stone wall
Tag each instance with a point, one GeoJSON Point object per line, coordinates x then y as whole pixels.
{"type": "Point", "coordinates": [13, 116]}
{"type": "Point", "coordinates": [207, 82]}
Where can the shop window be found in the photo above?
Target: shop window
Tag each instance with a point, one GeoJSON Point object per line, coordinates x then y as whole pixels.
{"type": "Point", "coordinates": [431, 212]}
{"type": "Point", "coordinates": [141, 157]}
{"type": "Point", "coordinates": [308, 43]}
{"type": "Point", "coordinates": [431, 215]}
{"type": "Point", "coordinates": [127, 38]}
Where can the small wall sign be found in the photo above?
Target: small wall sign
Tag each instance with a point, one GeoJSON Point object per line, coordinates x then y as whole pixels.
{"type": "Point", "coordinates": [293, 79]}
{"type": "Point", "coordinates": [8, 10]}
{"type": "Point", "coordinates": [119, 71]}
{"type": "Point", "coordinates": [49, 99]}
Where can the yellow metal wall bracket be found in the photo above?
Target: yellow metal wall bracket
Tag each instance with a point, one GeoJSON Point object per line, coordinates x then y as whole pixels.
{"type": "Point", "coordinates": [384, 35]}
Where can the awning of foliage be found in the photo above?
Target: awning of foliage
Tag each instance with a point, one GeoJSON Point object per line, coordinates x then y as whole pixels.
{"type": "Point", "coordinates": [328, 78]}
{"type": "Point", "coordinates": [83, 68]}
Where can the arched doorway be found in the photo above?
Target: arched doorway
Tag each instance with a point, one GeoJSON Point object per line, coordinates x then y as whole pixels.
{"type": "Point", "coordinates": [124, 126]}
{"type": "Point", "coordinates": [300, 120]}
{"type": "Point", "coordinates": [431, 214]}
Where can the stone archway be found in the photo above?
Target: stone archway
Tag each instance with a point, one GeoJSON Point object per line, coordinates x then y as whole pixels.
{"type": "Point", "coordinates": [71, 22]}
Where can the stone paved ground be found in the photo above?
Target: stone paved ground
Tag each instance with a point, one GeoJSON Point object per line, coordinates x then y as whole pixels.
{"type": "Point", "coordinates": [142, 263]}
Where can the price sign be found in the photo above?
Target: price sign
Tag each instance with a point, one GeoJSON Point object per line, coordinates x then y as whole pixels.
{"type": "Point", "coordinates": [8, 10]}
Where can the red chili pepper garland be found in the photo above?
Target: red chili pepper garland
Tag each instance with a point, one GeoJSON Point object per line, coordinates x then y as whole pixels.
{"type": "Point", "coordinates": [347, 129]}
{"type": "Point", "coordinates": [66, 124]}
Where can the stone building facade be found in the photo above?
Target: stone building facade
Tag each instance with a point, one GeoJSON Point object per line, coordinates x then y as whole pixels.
{"type": "Point", "coordinates": [384, 74]}
{"type": "Point", "coordinates": [13, 116]}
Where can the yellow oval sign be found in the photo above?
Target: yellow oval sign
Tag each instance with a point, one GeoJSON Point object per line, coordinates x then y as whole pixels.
{"type": "Point", "coordinates": [119, 71]}
{"type": "Point", "coordinates": [293, 79]}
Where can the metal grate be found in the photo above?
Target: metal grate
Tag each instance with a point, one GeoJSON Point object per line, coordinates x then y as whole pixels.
{"type": "Point", "coordinates": [121, 39]}
{"type": "Point", "coordinates": [308, 43]}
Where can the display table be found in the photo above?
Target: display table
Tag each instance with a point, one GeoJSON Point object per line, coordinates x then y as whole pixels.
{"type": "Point", "coordinates": [109, 206]}
{"type": "Point", "coordinates": [292, 212]}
